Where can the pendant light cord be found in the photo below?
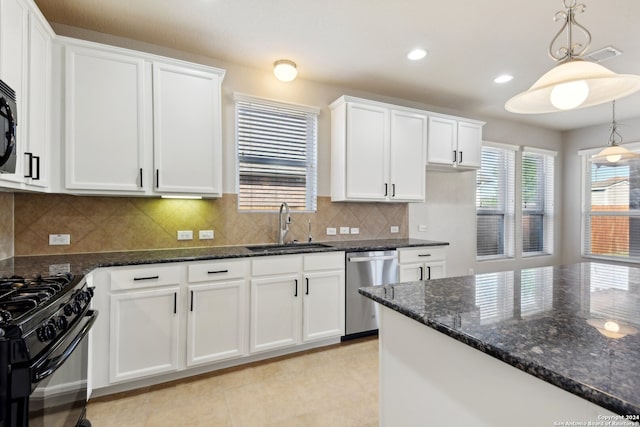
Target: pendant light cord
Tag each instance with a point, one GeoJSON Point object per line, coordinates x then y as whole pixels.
{"type": "Point", "coordinates": [614, 136]}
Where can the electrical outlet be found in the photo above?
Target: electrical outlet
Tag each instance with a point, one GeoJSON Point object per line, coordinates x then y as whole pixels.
{"type": "Point", "coordinates": [394, 229]}
{"type": "Point", "coordinates": [59, 239]}
{"type": "Point", "coordinates": [344, 230]}
{"type": "Point", "coordinates": [185, 234]}
{"type": "Point", "coordinates": [331, 231]}
{"type": "Point", "coordinates": [422, 227]}
{"type": "Point", "coordinates": [205, 234]}
{"type": "Point", "coordinates": [355, 230]}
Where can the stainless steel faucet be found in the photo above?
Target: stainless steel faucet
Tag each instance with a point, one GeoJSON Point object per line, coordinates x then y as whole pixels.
{"type": "Point", "coordinates": [283, 223]}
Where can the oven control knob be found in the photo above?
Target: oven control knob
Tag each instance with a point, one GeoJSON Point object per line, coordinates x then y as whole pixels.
{"type": "Point", "coordinates": [68, 310]}
{"type": "Point", "coordinates": [76, 307]}
{"type": "Point", "coordinates": [46, 332]}
{"type": "Point", "coordinates": [61, 323]}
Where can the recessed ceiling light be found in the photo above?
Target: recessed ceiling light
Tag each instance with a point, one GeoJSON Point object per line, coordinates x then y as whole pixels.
{"type": "Point", "coordinates": [503, 78]}
{"type": "Point", "coordinates": [417, 54]}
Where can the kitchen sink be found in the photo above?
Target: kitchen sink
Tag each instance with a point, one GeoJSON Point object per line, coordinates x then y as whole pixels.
{"type": "Point", "coordinates": [275, 247]}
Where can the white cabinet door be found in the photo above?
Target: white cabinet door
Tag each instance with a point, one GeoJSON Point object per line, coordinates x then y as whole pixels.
{"type": "Point", "coordinates": [323, 305]}
{"type": "Point", "coordinates": [143, 333]}
{"type": "Point", "coordinates": [216, 321]}
{"type": "Point", "coordinates": [435, 270]}
{"type": "Point", "coordinates": [469, 144]}
{"type": "Point", "coordinates": [411, 272]}
{"type": "Point", "coordinates": [13, 71]}
{"type": "Point", "coordinates": [407, 153]}
{"type": "Point", "coordinates": [442, 141]}
{"type": "Point", "coordinates": [187, 147]}
{"type": "Point", "coordinates": [275, 312]}
{"type": "Point", "coordinates": [37, 156]}
{"type": "Point", "coordinates": [104, 120]}
{"type": "Point", "coordinates": [367, 166]}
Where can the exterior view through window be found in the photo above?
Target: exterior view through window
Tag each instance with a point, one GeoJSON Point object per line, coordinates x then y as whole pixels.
{"type": "Point", "coordinates": [611, 226]}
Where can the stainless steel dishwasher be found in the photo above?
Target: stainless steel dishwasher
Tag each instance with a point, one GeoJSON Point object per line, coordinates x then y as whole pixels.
{"type": "Point", "coordinates": [372, 268]}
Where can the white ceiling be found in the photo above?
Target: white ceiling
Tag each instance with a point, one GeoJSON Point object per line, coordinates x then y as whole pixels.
{"type": "Point", "coordinates": [362, 44]}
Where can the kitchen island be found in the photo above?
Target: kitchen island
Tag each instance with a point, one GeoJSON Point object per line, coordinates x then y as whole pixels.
{"type": "Point", "coordinates": [535, 347]}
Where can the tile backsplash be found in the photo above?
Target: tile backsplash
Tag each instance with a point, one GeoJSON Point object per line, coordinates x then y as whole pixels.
{"type": "Point", "coordinates": [107, 224]}
{"type": "Point", "coordinates": [6, 225]}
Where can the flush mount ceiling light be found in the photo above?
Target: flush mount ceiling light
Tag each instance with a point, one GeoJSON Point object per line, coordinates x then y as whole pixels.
{"type": "Point", "coordinates": [285, 70]}
{"type": "Point", "coordinates": [614, 154]}
{"type": "Point", "coordinates": [574, 83]}
{"type": "Point", "coordinates": [417, 54]}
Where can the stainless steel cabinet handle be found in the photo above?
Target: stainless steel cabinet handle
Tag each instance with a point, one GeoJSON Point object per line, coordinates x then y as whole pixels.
{"type": "Point", "coordinates": [429, 272]}
{"type": "Point", "coordinates": [175, 303]}
{"type": "Point", "coordinates": [296, 294]}
{"type": "Point", "coordinates": [141, 178]}
{"type": "Point", "coordinates": [191, 308]}
{"type": "Point", "coordinates": [455, 156]}
{"type": "Point", "coordinates": [386, 189]}
{"type": "Point", "coordinates": [393, 190]}
{"type": "Point", "coordinates": [422, 255]}
{"type": "Point", "coordinates": [307, 280]}
{"type": "Point", "coordinates": [460, 157]}
{"type": "Point", "coordinates": [421, 273]}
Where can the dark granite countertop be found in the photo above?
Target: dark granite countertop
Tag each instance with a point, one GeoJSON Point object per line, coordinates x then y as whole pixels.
{"type": "Point", "coordinates": [536, 320]}
{"type": "Point", "coordinates": [85, 263]}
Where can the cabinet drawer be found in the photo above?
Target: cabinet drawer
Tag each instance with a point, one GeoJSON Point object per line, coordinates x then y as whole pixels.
{"type": "Point", "coordinates": [276, 265]}
{"type": "Point", "coordinates": [323, 261]}
{"type": "Point", "coordinates": [421, 254]}
{"type": "Point", "coordinates": [219, 270]}
{"type": "Point", "coordinates": [145, 277]}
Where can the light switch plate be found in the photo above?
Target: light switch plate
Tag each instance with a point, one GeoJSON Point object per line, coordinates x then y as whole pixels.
{"type": "Point", "coordinates": [344, 230]}
{"type": "Point", "coordinates": [59, 239]}
{"type": "Point", "coordinates": [355, 230]}
{"type": "Point", "coordinates": [331, 231]}
{"type": "Point", "coordinates": [185, 234]}
{"type": "Point", "coordinates": [205, 234]}
{"type": "Point", "coordinates": [422, 227]}
{"type": "Point", "coordinates": [395, 229]}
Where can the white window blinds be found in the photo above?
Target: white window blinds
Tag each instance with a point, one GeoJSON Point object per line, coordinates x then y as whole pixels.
{"type": "Point", "coordinates": [277, 155]}
{"type": "Point", "coordinates": [495, 201]}
{"type": "Point", "coordinates": [611, 215]}
{"type": "Point", "coordinates": [538, 168]}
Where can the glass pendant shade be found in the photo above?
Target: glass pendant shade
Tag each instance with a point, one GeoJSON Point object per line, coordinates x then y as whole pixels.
{"type": "Point", "coordinates": [573, 84]}
{"type": "Point", "coordinates": [614, 155]}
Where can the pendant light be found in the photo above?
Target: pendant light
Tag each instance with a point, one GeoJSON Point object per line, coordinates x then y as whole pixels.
{"type": "Point", "coordinates": [614, 154]}
{"type": "Point", "coordinates": [575, 82]}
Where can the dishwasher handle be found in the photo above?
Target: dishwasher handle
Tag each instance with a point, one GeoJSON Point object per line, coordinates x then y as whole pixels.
{"type": "Point", "coordinates": [372, 258]}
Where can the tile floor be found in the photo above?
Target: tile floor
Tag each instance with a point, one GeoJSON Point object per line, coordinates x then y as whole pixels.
{"type": "Point", "coordinates": [333, 387]}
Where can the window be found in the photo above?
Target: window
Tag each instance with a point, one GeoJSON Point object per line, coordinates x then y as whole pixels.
{"type": "Point", "coordinates": [277, 154]}
{"type": "Point", "coordinates": [537, 201]}
{"type": "Point", "coordinates": [611, 210]}
{"type": "Point", "coordinates": [495, 201]}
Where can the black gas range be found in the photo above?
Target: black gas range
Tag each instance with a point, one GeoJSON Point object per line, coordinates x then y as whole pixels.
{"type": "Point", "coordinates": [44, 322]}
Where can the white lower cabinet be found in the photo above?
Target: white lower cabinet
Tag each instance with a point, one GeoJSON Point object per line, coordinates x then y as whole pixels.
{"type": "Point", "coordinates": [422, 263]}
{"type": "Point", "coordinates": [165, 318]}
{"type": "Point", "coordinates": [144, 333]}
{"type": "Point", "coordinates": [289, 307]}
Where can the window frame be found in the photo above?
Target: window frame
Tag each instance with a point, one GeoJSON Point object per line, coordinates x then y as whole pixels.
{"type": "Point", "coordinates": [311, 188]}
{"type": "Point", "coordinates": [547, 200]}
{"type": "Point", "coordinates": [507, 211]}
{"type": "Point", "coordinates": [587, 213]}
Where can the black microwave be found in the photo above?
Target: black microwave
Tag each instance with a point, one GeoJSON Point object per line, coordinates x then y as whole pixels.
{"type": "Point", "coordinates": [8, 125]}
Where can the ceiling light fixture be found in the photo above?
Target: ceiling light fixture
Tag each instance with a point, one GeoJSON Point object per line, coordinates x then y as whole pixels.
{"type": "Point", "coordinates": [574, 83]}
{"type": "Point", "coordinates": [417, 54]}
{"type": "Point", "coordinates": [285, 70]}
{"type": "Point", "coordinates": [614, 154]}
{"type": "Point", "coordinates": [503, 78]}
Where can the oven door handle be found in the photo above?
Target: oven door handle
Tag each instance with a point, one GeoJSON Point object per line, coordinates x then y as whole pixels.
{"type": "Point", "coordinates": [46, 366]}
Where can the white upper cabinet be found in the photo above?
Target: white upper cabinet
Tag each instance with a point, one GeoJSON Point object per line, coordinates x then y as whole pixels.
{"type": "Point", "coordinates": [186, 105]}
{"type": "Point", "coordinates": [25, 65]}
{"type": "Point", "coordinates": [104, 120]}
{"type": "Point", "coordinates": [454, 143]}
{"type": "Point", "coordinates": [377, 151]}
{"type": "Point", "coordinates": [139, 124]}
{"type": "Point", "coordinates": [37, 152]}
